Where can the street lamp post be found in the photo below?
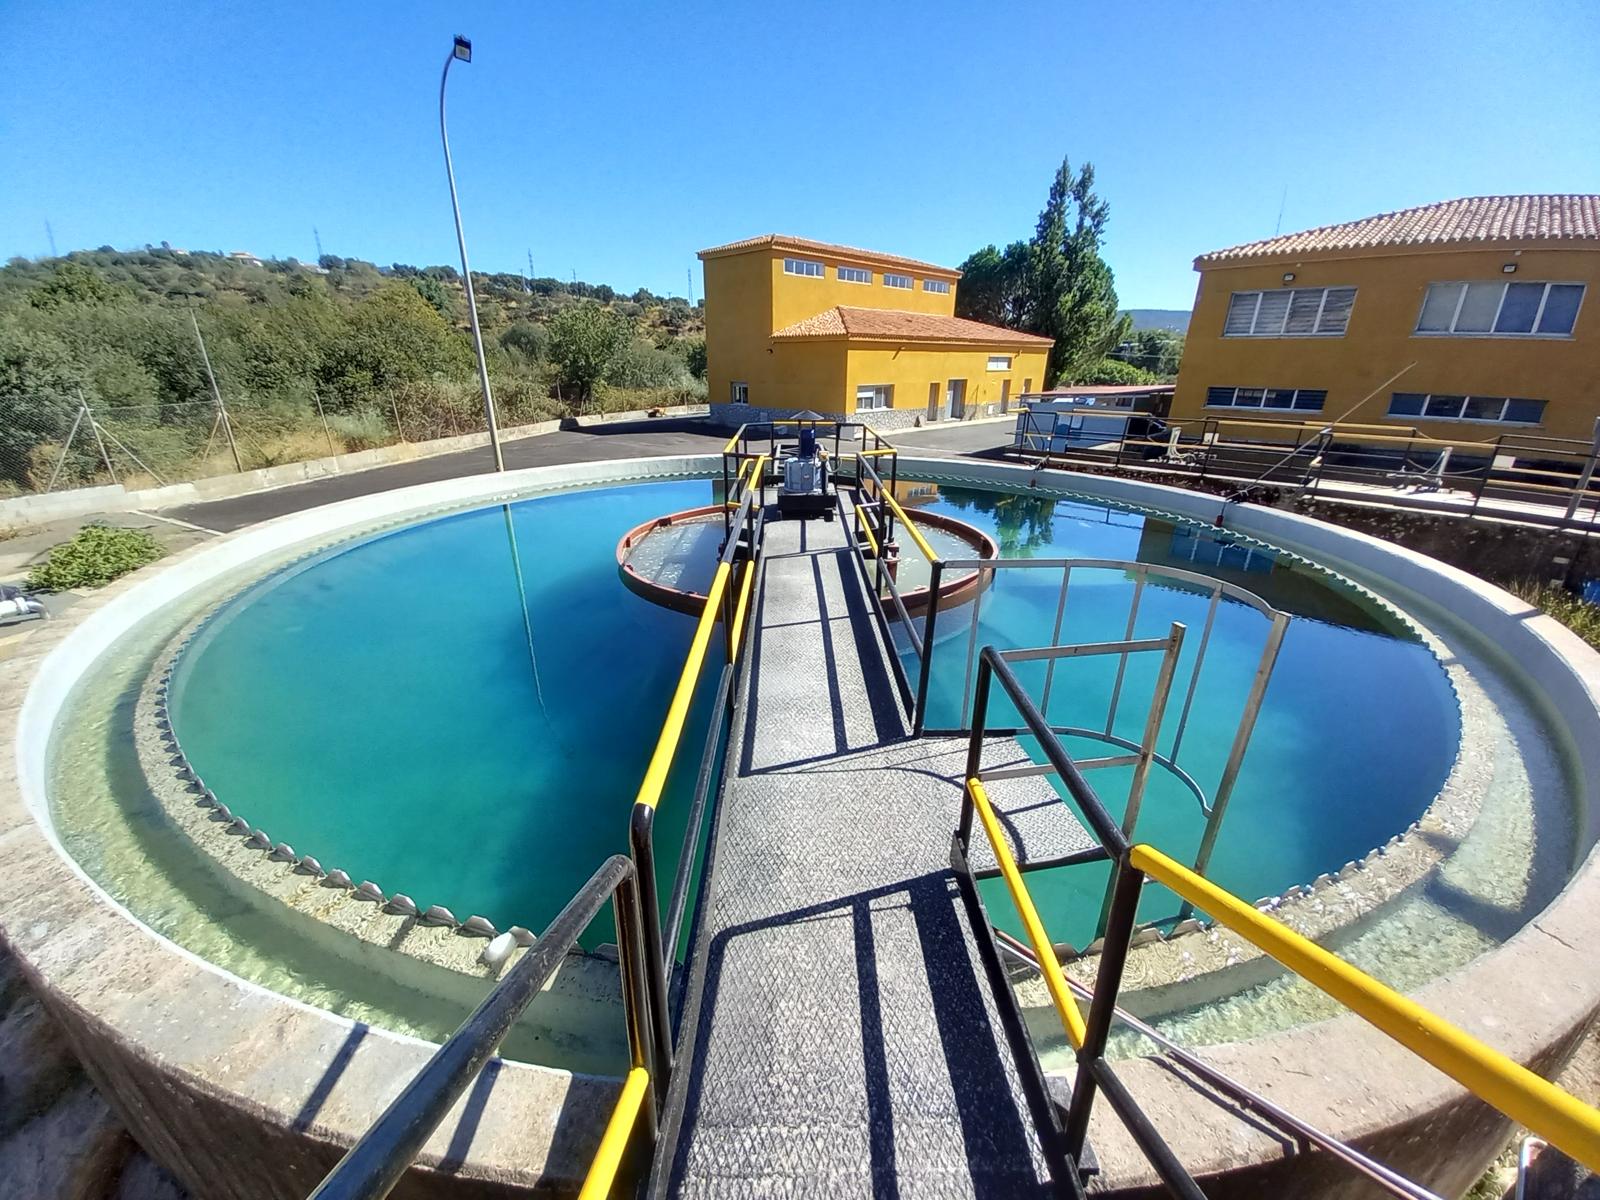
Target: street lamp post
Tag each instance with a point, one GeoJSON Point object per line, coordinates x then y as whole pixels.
{"type": "Point", "coordinates": [463, 50]}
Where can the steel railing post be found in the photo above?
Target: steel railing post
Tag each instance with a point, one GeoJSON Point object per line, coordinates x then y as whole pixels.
{"type": "Point", "coordinates": [980, 711]}
{"type": "Point", "coordinates": [1125, 890]}
{"type": "Point", "coordinates": [641, 837]}
{"type": "Point", "coordinates": [919, 718]}
{"type": "Point", "coordinates": [1241, 741]}
{"type": "Point", "coordinates": [635, 992]}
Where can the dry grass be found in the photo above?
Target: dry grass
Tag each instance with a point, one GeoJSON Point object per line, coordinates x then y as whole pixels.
{"type": "Point", "coordinates": [1580, 616]}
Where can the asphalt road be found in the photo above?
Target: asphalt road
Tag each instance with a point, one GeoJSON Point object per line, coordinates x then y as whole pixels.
{"type": "Point", "coordinates": [633, 439]}
{"type": "Point", "coordinates": [956, 437]}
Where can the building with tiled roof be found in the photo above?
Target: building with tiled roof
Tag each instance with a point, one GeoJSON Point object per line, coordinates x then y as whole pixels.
{"type": "Point", "coordinates": [797, 325]}
{"type": "Point", "coordinates": [1463, 322]}
{"type": "Point", "coordinates": [1472, 221]}
{"type": "Point", "coordinates": [881, 323]}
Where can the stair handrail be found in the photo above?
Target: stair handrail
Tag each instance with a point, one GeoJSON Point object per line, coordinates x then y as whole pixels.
{"type": "Point", "coordinates": [1515, 1091]}
{"type": "Point", "coordinates": [376, 1163]}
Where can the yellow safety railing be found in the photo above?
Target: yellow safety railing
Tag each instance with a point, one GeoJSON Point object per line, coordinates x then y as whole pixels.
{"type": "Point", "coordinates": [887, 497]}
{"type": "Point", "coordinates": [1043, 948]}
{"type": "Point", "coordinates": [1555, 1115]}
{"type": "Point", "coordinates": [655, 776]}
{"type": "Point", "coordinates": [614, 1142]}
{"type": "Point", "coordinates": [743, 603]}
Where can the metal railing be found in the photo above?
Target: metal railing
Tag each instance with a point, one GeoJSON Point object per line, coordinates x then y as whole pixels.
{"type": "Point", "coordinates": [1518, 1093]}
{"type": "Point", "coordinates": [1518, 476]}
{"type": "Point", "coordinates": [727, 604]}
{"type": "Point", "coordinates": [376, 1163]}
{"type": "Point", "coordinates": [876, 520]}
{"type": "Point", "coordinates": [878, 515]}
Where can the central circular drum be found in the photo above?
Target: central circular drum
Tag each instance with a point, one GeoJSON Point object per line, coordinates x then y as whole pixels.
{"type": "Point", "coordinates": [670, 560]}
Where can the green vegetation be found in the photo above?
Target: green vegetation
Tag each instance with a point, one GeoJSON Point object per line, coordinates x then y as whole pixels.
{"type": "Point", "coordinates": [1578, 615]}
{"type": "Point", "coordinates": [309, 360]}
{"type": "Point", "coordinates": [1055, 284]}
{"type": "Point", "coordinates": [95, 556]}
{"type": "Point", "coordinates": [1158, 352]}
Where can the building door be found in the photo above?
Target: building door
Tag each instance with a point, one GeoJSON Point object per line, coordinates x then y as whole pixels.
{"type": "Point", "coordinates": [933, 402]}
{"type": "Point", "coordinates": [1005, 395]}
{"type": "Point", "coordinates": [955, 399]}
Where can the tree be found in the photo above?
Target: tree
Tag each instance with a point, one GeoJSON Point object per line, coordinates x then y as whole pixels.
{"type": "Point", "coordinates": [584, 341]}
{"type": "Point", "coordinates": [1159, 351]}
{"type": "Point", "coordinates": [994, 287]}
{"type": "Point", "coordinates": [695, 356]}
{"type": "Point", "coordinates": [73, 283]}
{"type": "Point", "coordinates": [1055, 285]}
{"type": "Point", "coordinates": [435, 293]}
{"type": "Point", "coordinates": [1115, 372]}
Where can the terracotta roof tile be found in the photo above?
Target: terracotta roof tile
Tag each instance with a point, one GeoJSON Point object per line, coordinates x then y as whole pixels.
{"type": "Point", "coordinates": [1493, 219]}
{"type": "Point", "coordinates": [779, 241]}
{"type": "Point", "coordinates": [890, 324]}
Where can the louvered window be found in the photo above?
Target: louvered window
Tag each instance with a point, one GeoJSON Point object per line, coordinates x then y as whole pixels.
{"type": "Point", "coordinates": [1289, 312]}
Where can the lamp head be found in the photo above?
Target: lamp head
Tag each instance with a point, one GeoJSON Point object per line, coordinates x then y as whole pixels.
{"type": "Point", "coordinates": [463, 49]}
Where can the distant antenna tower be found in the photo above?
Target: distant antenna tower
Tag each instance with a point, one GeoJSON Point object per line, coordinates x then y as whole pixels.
{"type": "Point", "coordinates": [527, 284]}
{"type": "Point", "coordinates": [51, 234]}
{"type": "Point", "coordinates": [1282, 200]}
{"type": "Point", "coordinates": [318, 238]}
{"type": "Point", "coordinates": [688, 273]}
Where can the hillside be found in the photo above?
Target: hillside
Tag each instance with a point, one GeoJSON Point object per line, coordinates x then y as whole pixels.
{"type": "Point", "coordinates": [309, 359]}
{"type": "Point", "coordinates": [1159, 318]}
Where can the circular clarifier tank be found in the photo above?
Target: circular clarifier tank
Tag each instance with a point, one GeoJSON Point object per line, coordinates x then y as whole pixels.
{"type": "Point", "coordinates": [454, 697]}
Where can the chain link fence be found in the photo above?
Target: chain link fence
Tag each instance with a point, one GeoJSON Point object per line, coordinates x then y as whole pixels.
{"type": "Point", "coordinates": [62, 443]}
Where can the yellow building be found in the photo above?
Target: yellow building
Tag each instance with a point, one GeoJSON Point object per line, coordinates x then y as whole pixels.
{"type": "Point", "coordinates": [795, 325]}
{"type": "Point", "coordinates": [1462, 320]}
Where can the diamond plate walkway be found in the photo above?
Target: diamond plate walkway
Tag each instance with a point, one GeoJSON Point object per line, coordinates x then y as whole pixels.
{"type": "Point", "coordinates": [839, 1034]}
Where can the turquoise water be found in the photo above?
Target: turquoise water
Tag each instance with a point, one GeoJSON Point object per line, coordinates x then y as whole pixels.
{"type": "Point", "coordinates": [462, 709]}
{"type": "Point", "coordinates": [393, 708]}
{"type": "Point", "coordinates": [1357, 733]}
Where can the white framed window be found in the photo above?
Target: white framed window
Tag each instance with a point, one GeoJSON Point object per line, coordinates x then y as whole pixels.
{"type": "Point", "coordinates": [1290, 312]}
{"type": "Point", "coordinates": [802, 266]}
{"type": "Point", "coordinates": [897, 281]}
{"type": "Point", "coordinates": [1503, 410]}
{"type": "Point", "coordinates": [1500, 308]}
{"type": "Point", "coordinates": [854, 275]}
{"type": "Point", "coordinates": [999, 362]}
{"type": "Point", "coordinates": [942, 286]}
{"type": "Point", "coordinates": [1272, 399]}
{"type": "Point", "coordinates": [739, 393]}
{"type": "Point", "coordinates": [870, 396]}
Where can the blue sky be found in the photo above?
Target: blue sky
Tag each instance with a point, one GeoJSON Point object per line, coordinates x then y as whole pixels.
{"type": "Point", "coordinates": [615, 139]}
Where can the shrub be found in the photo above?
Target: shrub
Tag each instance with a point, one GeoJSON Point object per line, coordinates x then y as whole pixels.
{"type": "Point", "coordinates": [361, 428]}
{"type": "Point", "coordinates": [1114, 372]}
{"type": "Point", "coordinates": [95, 556]}
{"type": "Point", "coordinates": [641, 365]}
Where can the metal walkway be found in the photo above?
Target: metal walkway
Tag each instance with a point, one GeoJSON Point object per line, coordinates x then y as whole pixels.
{"type": "Point", "coordinates": [839, 1036]}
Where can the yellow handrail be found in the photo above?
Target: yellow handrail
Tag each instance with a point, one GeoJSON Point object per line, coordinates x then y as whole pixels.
{"type": "Point", "coordinates": [655, 776]}
{"type": "Point", "coordinates": [916, 534]}
{"type": "Point", "coordinates": [872, 540]}
{"type": "Point", "coordinates": [732, 443]}
{"type": "Point", "coordinates": [876, 453]}
{"type": "Point", "coordinates": [1538, 1104]}
{"type": "Point", "coordinates": [614, 1142]}
{"type": "Point", "coordinates": [1043, 949]}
